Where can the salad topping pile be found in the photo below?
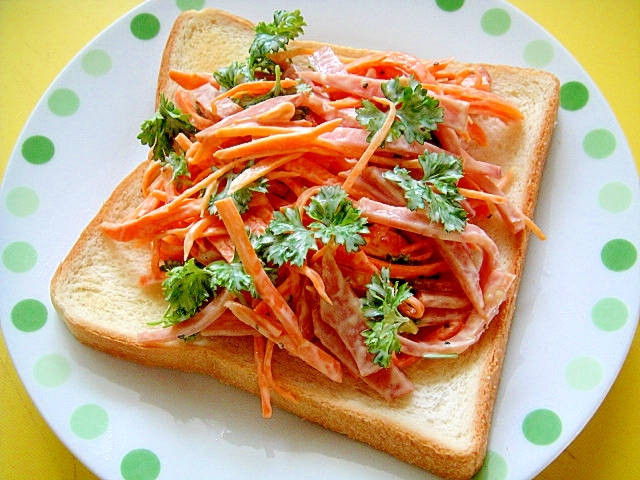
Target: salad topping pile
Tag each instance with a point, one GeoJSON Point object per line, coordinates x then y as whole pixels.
{"type": "Point", "coordinates": [324, 205]}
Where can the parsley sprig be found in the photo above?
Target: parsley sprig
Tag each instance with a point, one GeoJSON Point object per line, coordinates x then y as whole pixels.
{"type": "Point", "coordinates": [190, 285]}
{"type": "Point", "coordinates": [159, 131]}
{"type": "Point", "coordinates": [417, 113]}
{"type": "Point", "coordinates": [437, 190]}
{"type": "Point", "coordinates": [269, 38]}
{"type": "Point", "coordinates": [273, 37]}
{"type": "Point", "coordinates": [334, 218]}
{"type": "Point", "coordinates": [380, 307]}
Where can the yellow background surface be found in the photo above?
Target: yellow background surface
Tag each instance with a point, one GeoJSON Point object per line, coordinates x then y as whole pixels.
{"type": "Point", "coordinates": [39, 37]}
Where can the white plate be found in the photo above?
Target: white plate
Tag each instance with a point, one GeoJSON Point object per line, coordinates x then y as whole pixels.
{"type": "Point", "coordinates": [576, 313]}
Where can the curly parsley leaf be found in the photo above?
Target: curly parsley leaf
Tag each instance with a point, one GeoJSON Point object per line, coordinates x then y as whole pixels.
{"type": "Point", "coordinates": [417, 113]}
{"type": "Point", "coordinates": [287, 239]}
{"type": "Point", "coordinates": [437, 190]}
{"type": "Point", "coordinates": [159, 131]}
{"type": "Point", "coordinates": [269, 38]}
{"type": "Point", "coordinates": [186, 288]}
{"type": "Point", "coordinates": [247, 100]}
{"type": "Point", "coordinates": [190, 285]}
{"type": "Point", "coordinates": [179, 167]}
{"type": "Point", "coordinates": [335, 217]}
{"type": "Point", "coordinates": [231, 276]}
{"type": "Point", "coordinates": [380, 307]}
{"type": "Point", "coordinates": [235, 74]}
{"type": "Point", "coordinates": [272, 38]}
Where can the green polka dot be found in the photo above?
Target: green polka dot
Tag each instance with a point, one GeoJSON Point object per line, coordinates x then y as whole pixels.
{"type": "Point", "coordinates": [19, 257]}
{"type": "Point", "coordinates": [573, 96]}
{"type": "Point", "coordinates": [140, 464]}
{"type": "Point", "coordinates": [542, 427]}
{"type": "Point", "coordinates": [63, 102]}
{"type": "Point", "coordinates": [22, 201]}
{"type": "Point", "coordinates": [618, 254]}
{"type": "Point", "coordinates": [38, 149]}
{"type": "Point", "coordinates": [450, 5]}
{"type": "Point", "coordinates": [52, 370]}
{"type": "Point", "coordinates": [494, 467]}
{"type": "Point", "coordinates": [496, 21]}
{"type": "Point", "coordinates": [538, 53]}
{"type": "Point", "coordinates": [145, 26]}
{"type": "Point", "coordinates": [190, 4]}
{"type": "Point", "coordinates": [29, 315]}
{"type": "Point", "coordinates": [89, 421]}
{"type": "Point", "coordinates": [615, 197]}
{"type": "Point", "coordinates": [599, 143]}
{"type": "Point", "coordinates": [96, 63]}
{"type": "Point", "coordinates": [609, 314]}
{"type": "Point", "coordinates": [584, 373]}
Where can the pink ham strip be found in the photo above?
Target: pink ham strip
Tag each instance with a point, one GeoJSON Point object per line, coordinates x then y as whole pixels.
{"type": "Point", "coordinates": [417, 222]}
{"type": "Point", "coordinates": [251, 113]}
{"type": "Point", "coordinates": [496, 288]}
{"type": "Point", "coordinates": [201, 320]}
{"type": "Point", "coordinates": [304, 349]}
{"type": "Point", "coordinates": [457, 256]}
{"type": "Point", "coordinates": [321, 107]}
{"type": "Point", "coordinates": [390, 382]}
{"type": "Point", "coordinates": [324, 60]}
{"type": "Point", "coordinates": [345, 315]}
{"type": "Point", "coordinates": [456, 112]}
{"type": "Point", "coordinates": [228, 325]}
{"type": "Point", "coordinates": [441, 300]}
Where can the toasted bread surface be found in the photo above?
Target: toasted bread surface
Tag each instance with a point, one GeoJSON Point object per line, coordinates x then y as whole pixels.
{"type": "Point", "coordinates": [443, 425]}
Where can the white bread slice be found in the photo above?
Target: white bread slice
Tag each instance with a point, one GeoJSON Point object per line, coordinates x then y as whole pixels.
{"type": "Point", "coordinates": [443, 426]}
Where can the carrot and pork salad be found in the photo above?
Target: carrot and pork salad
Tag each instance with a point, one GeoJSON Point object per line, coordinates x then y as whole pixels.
{"type": "Point", "coordinates": [324, 205]}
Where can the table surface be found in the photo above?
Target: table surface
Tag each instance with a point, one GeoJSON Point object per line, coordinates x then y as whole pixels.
{"type": "Point", "coordinates": [603, 36]}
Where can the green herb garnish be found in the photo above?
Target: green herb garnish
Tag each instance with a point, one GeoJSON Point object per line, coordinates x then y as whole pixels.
{"type": "Point", "coordinates": [437, 190]}
{"type": "Point", "coordinates": [417, 113]}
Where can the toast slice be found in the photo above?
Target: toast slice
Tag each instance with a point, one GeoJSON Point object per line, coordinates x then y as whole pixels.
{"type": "Point", "coordinates": [443, 425]}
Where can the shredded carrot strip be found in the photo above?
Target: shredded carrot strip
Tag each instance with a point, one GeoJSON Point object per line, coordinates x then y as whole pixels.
{"type": "Point", "coordinates": [284, 143]}
{"type": "Point", "coordinates": [398, 270]}
{"type": "Point", "coordinates": [255, 88]}
{"type": "Point", "coordinates": [537, 231]}
{"type": "Point", "coordinates": [376, 141]}
{"type": "Point", "coordinates": [189, 80]}
{"type": "Point", "coordinates": [183, 142]}
{"type": "Point", "coordinates": [253, 266]}
{"type": "Point", "coordinates": [484, 196]}
{"type": "Point", "coordinates": [259, 353]}
{"type": "Point", "coordinates": [316, 281]}
{"type": "Point", "coordinates": [259, 170]}
{"type": "Point", "coordinates": [268, 355]}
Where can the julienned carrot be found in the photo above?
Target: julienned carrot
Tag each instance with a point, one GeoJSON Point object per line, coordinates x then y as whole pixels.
{"type": "Point", "coordinates": [186, 105]}
{"type": "Point", "coordinates": [259, 353]}
{"type": "Point", "coordinates": [408, 272]}
{"type": "Point", "coordinates": [259, 170]}
{"type": "Point", "coordinates": [153, 224]}
{"type": "Point", "coordinates": [259, 87]}
{"type": "Point", "coordinates": [268, 355]}
{"type": "Point", "coordinates": [284, 143]}
{"type": "Point", "coordinates": [316, 281]}
{"type": "Point", "coordinates": [376, 141]}
{"type": "Point", "coordinates": [189, 80]}
{"type": "Point", "coordinates": [268, 292]}
{"type": "Point", "coordinates": [482, 101]}
{"type": "Point", "coordinates": [303, 349]}
{"type": "Point", "coordinates": [403, 64]}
